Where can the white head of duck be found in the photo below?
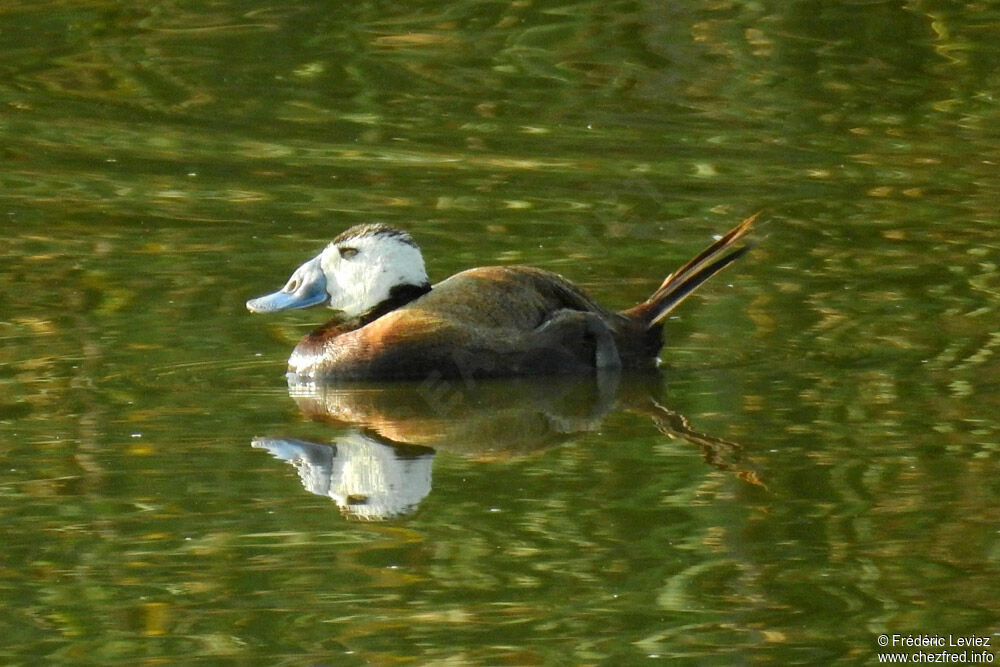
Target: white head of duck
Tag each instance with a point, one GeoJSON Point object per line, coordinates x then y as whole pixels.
{"type": "Point", "coordinates": [360, 269]}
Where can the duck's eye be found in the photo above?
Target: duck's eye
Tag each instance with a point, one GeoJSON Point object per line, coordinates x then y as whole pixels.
{"type": "Point", "coordinates": [348, 253]}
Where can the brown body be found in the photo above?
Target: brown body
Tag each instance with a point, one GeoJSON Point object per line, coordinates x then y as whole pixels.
{"type": "Point", "coordinates": [491, 321]}
{"type": "Point", "coordinates": [502, 321]}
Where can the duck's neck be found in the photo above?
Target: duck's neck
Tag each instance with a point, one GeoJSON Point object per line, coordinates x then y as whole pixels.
{"type": "Point", "coordinates": [399, 296]}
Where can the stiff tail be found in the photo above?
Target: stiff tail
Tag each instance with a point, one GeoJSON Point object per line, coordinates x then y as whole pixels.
{"type": "Point", "coordinates": [685, 280]}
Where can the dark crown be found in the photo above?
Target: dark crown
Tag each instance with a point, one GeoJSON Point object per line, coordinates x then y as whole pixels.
{"type": "Point", "coordinates": [374, 229]}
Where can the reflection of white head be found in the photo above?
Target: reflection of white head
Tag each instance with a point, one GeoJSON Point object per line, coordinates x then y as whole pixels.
{"type": "Point", "coordinates": [355, 273]}
{"type": "Point", "coordinates": [374, 482]}
{"type": "Point", "coordinates": [366, 478]}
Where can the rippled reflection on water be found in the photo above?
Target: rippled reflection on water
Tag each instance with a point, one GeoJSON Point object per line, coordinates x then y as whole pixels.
{"type": "Point", "coordinates": [163, 164]}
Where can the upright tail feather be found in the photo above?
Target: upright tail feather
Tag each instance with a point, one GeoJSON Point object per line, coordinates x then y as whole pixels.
{"type": "Point", "coordinates": [685, 280]}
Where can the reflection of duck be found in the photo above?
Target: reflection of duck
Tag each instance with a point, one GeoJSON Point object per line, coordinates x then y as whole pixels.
{"type": "Point", "coordinates": [378, 466]}
{"type": "Point", "coordinates": [493, 321]}
{"type": "Point", "coordinates": [378, 463]}
{"type": "Point", "coordinates": [485, 419]}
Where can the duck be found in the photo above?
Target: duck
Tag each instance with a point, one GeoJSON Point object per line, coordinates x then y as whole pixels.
{"type": "Point", "coordinates": [390, 323]}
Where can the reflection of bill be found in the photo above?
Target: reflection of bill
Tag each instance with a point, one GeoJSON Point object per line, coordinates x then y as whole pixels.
{"type": "Point", "coordinates": [368, 479]}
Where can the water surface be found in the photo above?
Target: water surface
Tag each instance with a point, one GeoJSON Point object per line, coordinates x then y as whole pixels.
{"type": "Point", "coordinates": [814, 466]}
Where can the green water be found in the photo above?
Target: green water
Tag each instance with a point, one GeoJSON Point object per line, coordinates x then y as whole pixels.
{"type": "Point", "coordinates": [836, 476]}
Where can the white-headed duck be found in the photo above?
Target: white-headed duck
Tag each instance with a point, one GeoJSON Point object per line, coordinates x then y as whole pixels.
{"type": "Point", "coordinates": [484, 322]}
